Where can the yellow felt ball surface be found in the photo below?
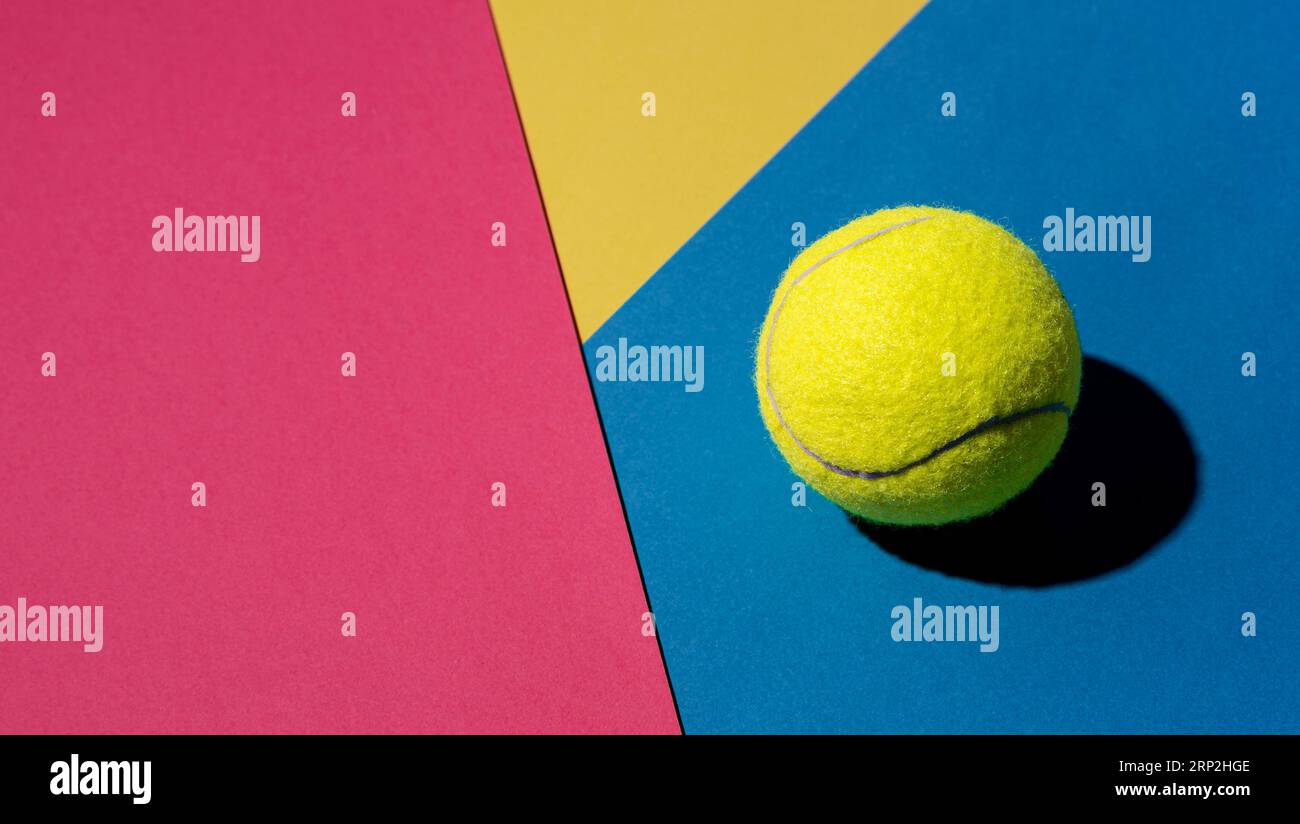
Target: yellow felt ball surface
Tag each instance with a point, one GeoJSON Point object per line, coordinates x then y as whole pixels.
{"type": "Point", "coordinates": [918, 366]}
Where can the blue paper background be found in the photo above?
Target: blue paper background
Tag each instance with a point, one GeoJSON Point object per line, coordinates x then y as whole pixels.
{"type": "Point", "coordinates": [775, 618]}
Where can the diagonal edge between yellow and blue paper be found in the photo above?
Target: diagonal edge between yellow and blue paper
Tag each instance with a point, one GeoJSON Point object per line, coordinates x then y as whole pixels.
{"type": "Point", "coordinates": [626, 179]}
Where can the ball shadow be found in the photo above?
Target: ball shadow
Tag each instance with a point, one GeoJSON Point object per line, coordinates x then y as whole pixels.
{"type": "Point", "coordinates": [1123, 435]}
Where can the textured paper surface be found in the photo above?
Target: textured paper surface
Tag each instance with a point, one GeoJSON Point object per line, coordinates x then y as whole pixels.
{"type": "Point", "coordinates": [733, 80]}
{"type": "Point", "coordinates": [325, 494]}
{"type": "Point", "coordinates": [778, 618]}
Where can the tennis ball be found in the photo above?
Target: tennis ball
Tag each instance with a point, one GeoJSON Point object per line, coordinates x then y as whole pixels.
{"type": "Point", "coordinates": [918, 366]}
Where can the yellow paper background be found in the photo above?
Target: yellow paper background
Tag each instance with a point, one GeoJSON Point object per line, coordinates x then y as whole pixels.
{"type": "Point", "coordinates": [733, 82]}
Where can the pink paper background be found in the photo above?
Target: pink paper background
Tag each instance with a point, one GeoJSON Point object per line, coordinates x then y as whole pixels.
{"type": "Point", "coordinates": [325, 494]}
